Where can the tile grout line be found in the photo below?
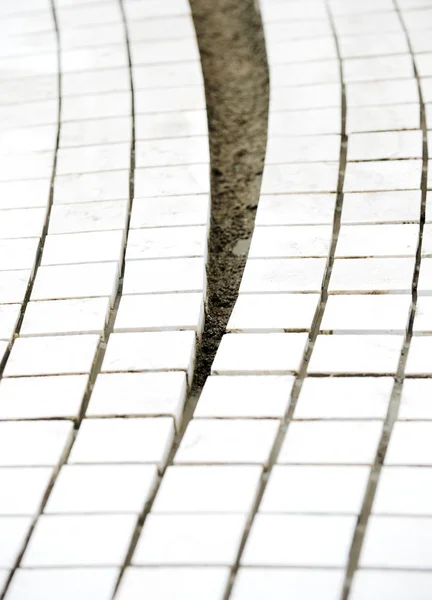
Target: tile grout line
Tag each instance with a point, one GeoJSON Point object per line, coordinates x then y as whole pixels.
{"type": "Point", "coordinates": [101, 348]}
{"type": "Point", "coordinates": [395, 399]}
{"type": "Point", "coordinates": [314, 331]}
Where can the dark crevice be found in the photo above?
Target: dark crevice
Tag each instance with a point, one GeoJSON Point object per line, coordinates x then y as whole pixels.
{"type": "Point", "coordinates": [395, 399]}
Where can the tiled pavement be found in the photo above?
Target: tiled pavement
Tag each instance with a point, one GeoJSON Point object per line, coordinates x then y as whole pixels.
{"type": "Point", "coordinates": [306, 471]}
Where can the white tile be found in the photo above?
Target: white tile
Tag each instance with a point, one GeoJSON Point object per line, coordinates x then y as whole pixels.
{"type": "Point", "coordinates": [189, 540]}
{"type": "Point", "coordinates": [160, 312]}
{"type": "Point", "coordinates": [162, 28]}
{"type": "Point", "coordinates": [299, 540]}
{"type": "Point", "coordinates": [382, 175]}
{"type": "Point", "coordinates": [42, 397]}
{"type": "Point", "coordinates": [339, 7]}
{"type": "Point", "coordinates": [181, 50]}
{"type": "Point", "coordinates": [98, 216]}
{"type": "Point", "coordinates": [13, 534]}
{"type": "Point", "coordinates": [290, 242]}
{"type": "Point", "coordinates": [167, 242]}
{"type": "Point", "coordinates": [76, 281]}
{"type": "Point", "coordinates": [377, 240]}
{"type": "Point", "coordinates": [358, 275]}
{"type": "Point", "coordinates": [404, 491]}
{"type": "Point", "coordinates": [143, 394]}
{"type": "Point", "coordinates": [167, 100]}
{"type": "Point", "coordinates": [38, 444]}
{"type": "Point", "coordinates": [93, 159]}
{"type": "Point", "coordinates": [360, 24]}
{"type": "Point", "coordinates": [101, 489]}
{"type": "Point", "coordinates": [79, 540]}
{"type": "Point", "coordinates": [390, 585]}
{"type": "Point", "coordinates": [273, 312]}
{"type": "Point", "coordinates": [331, 442]}
{"type": "Point", "coordinates": [170, 211]}
{"type": "Point", "coordinates": [302, 584]}
{"type": "Point", "coordinates": [310, 489]}
{"type": "Point", "coordinates": [427, 240]}
{"type": "Point", "coordinates": [344, 398]}
{"type": "Point", "coordinates": [91, 187]}
{"type": "Point", "coordinates": [284, 51]}
{"type": "Point", "coordinates": [160, 153]}
{"type": "Point", "coordinates": [377, 68]}
{"type": "Point", "coordinates": [294, 11]}
{"type": "Point", "coordinates": [356, 354]}
{"type": "Point", "coordinates": [57, 317]}
{"type": "Point", "coordinates": [179, 124]}
{"type": "Point", "coordinates": [167, 75]}
{"type": "Point", "coordinates": [373, 45]}
{"type": "Point", "coordinates": [285, 209]}
{"type": "Point", "coordinates": [424, 284]}
{"type": "Point", "coordinates": [381, 207]}
{"type": "Point", "coordinates": [137, 441]}
{"type": "Point", "coordinates": [215, 441]}
{"type": "Point", "coordinates": [168, 181]}
{"type": "Point", "coordinates": [244, 396]}
{"type": "Point", "coordinates": [77, 108]}
{"type": "Point", "coordinates": [69, 584]}
{"type": "Point", "coordinates": [3, 348]}
{"type": "Point", "coordinates": [383, 118]}
{"type": "Point", "coordinates": [415, 399]}
{"type": "Point", "coordinates": [9, 315]}
{"type": "Point", "coordinates": [70, 18]}
{"type": "Point", "coordinates": [398, 543]}
{"type": "Point", "coordinates": [385, 145]}
{"type": "Point", "coordinates": [310, 122]}
{"type": "Point", "coordinates": [304, 96]}
{"type": "Point", "coordinates": [150, 351]}
{"type": "Point", "coordinates": [95, 82]}
{"type": "Point", "coordinates": [22, 223]}
{"type": "Point", "coordinates": [283, 275]}
{"type": "Point", "coordinates": [4, 574]}
{"type": "Point", "coordinates": [164, 276]}
{"type": "Point", "coordinates": [56, 355]}
{"type": "Point", "coordinates": [207, 489]}
{"type": "Point", "coordinates": [76, 248]}
{"type": "Point", "coordinates": [259, 353]}
{"type": "Point", "coordinates": [26, 166]}
{"type": "Point", "coordinates": [34, 138]}
{"type": "Point", "coordinates": [410, 444]}
{"type": "Point", "coordinates": [13, 286]}
{"type": "Point", "coordinates": [366, 314]}
{"type": "Point", "coordinates": [382, 92]}
{"type": "Point", "coordinates": [91, 59]}
{"type": "Point", "coordinates": [419, 361]}
{"type": "Point", "coordinates": [302, 148]}
{"type": "Point", "coordinates": [423, 62]}
{"type": "Point", "coordinates": [18, 254]}
{"type": "Point", "coordinates": [24, 194]}
{"type": "Point", "coordinates": [163, 583]}
{"type": "Point", "coordinates": [301, 177]}
{"type": "Point", "coordinates": [23, 490]}
{"type": "Point", "coordinates": [423, 315]}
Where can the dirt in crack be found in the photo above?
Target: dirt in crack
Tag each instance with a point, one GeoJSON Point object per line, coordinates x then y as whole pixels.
{"type": "Point", "coordinates": [231, 43]}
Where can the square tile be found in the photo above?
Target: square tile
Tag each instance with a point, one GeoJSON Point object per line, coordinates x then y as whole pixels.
{"type": "Point", "coordinates": [283, 275]}
{"type": "Point", "coordinates": [207, 489]}
{"type": "Point", "coordinates": [381, 207]}
{"type": "Point", "coordinates": [273, 312]}
{"type": "Point", "coordinates": [398, 543]}
{"type": "Point", "coordinates": [259, 353]}
{"type": "Point", "coordinates": [251, 396]}
{"type": "Point", "coordinates": [167, 242]}
{"type": "Point", "coordinates": [150, 351]}
{"type": "Point", "coordinates": [390, 585]}
{"type": "Point", "coordinates": [79, 540]}
{"type": "Point", "coordinates": [57, 317]}
{"type": "Point", "coordinates": [33, 444]}
{"type": "Point", "coordinates": [22, 490]}
{"type": "Point", "coordinates": [138, 394]}
{"type": "Point", "coordinates": [9, 315]}
{"type": "Point", "coordinates": [164, 276]}
{"type": "Point", "coordinates": [13, 534]}
{"type": "Point", "coordinates": [56, 355]}
{"type": "Point", "coordinates": [356, 354]}
{"type": "Point", "coordinates": [42, 397]}
{"type": "Point", "coordinates": [98, 216]}
{"type": "Point", "coordinates": [215, 441]}
{"type": "Point", "coordinates": [299, 541]}
{"type": "Point", "coordinates": [410, 444]}
{"type": "Point", "coordinates": [383, 175]}
{"type": "Point", "coordinates": [63, 282]}
{"type": "Point", "coordinates": [191, 583]}
{"type": "Point", "coordinates": [138, 441]}
{"type": "Point", "coordinates": [366, 313]}
{"type": "Point", "coordinates": [69, 584]}
{"type": "Point", "coordinates": [170, 211]}
{"type": "Point", "coordinates": [331, 442]}
{"type": "Point", "coordinates": [101, 489]}
{"type": "Point", "coordinates": [404, 491]}
{"type": "Point", "coordinates": [160, 312]}
{"type": "Point", "coordinates": [76, 248]}
{"type": "Point", "coordinates": [277, 584]}
{"type": "Point", "coordinates": [308, 489]}
{"type": "Point", "coordinates": [189, 540]}
{"type": "Point", "coordinates": [285, 209]}
{"type": "Point", "coordinates": [415, 399]}
{"type": "Point", "coordinates": [419, 358]}
{"type": "Point", "coordinates": [290, 242]}
{"type": "Point", "coordinates": [344, 398]}
{"type": "Point", "coordinates": [391, 275]}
